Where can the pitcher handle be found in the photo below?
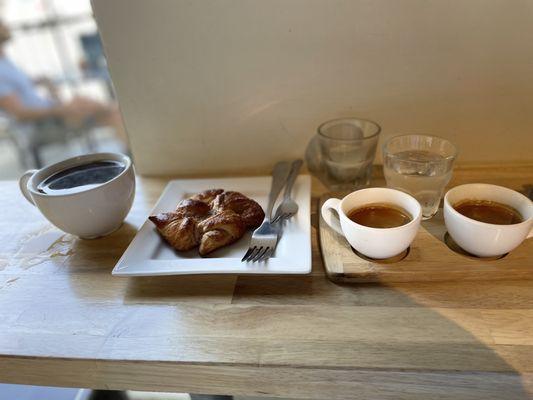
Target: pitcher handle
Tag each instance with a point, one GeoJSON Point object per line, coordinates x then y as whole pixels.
{"type": "Point", "coordinates": [330, 212]}
{"type": "Point", "coordinates": [23, 184]}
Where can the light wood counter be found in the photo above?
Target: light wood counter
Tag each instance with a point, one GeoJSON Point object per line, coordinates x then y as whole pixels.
{"type": "Point", "coordinates": [65, 321]}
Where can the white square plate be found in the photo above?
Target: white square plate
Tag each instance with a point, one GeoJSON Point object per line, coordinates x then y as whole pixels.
{"type": "Point", "coordinates": [148, 254]}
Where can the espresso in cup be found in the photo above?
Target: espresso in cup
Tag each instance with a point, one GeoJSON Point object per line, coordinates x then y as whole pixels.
{"type": "Point", "coordinates": [490, 212]}
{"type": "Point", "coordinates": [487, 220]}
{"type": "Point", "coordinates": [378, 222]}
{"type": "Point", "coordinates": [380, 215]}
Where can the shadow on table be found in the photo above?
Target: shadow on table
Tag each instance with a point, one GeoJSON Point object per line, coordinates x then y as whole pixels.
{"type": "Point", "coordinates": [434, 327]}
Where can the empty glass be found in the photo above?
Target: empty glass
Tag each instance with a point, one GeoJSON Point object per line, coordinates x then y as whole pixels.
{"type": "Point", "coordinates": [420, 165]}
{"type": "Point", "coordinates": [342, 152]}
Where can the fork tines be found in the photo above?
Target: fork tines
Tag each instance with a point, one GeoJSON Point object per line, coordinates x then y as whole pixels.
{"type": "Point", "coordinates": [263, 243]}
{"type": "Point", "coordinates": [258, 253]}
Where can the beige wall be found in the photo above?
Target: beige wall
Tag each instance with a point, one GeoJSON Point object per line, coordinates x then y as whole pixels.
{"type": "Point", "coordinates": [211, 85]}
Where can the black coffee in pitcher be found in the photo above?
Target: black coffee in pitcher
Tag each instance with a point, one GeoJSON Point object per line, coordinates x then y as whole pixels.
{"type": "Point", "coordinates": [82, 177]}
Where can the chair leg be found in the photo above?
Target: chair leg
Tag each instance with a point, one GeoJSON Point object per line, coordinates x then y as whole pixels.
{"type": "Point", "coordinates": [89, 142]}
{"type": "Point", "coordinates": [36, 157]}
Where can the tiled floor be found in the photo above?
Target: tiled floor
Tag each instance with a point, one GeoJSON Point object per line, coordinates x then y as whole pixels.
{"type": "Point", "coordinates": [23, 392]}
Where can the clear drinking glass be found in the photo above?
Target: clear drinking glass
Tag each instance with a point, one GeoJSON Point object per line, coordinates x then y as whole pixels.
{"type": "Point", "coordinates": [420, 165]}
{"type": "Point", "coordinates": [342, 152]}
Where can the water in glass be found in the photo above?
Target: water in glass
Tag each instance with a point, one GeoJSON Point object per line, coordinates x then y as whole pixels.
{"type": "Point", "coordinates": [419, 170]}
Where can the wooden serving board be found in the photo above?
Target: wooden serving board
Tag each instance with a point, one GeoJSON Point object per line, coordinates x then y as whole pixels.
{"type": "Point", "coordinates": [432, 257]}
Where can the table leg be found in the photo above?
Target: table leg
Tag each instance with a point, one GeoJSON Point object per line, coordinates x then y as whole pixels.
{"type": "Point", "coordinates": [108, 395]}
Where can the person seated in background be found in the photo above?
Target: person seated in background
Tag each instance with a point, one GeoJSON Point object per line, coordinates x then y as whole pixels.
{"type": "Point", "coordinates": [20, 99]}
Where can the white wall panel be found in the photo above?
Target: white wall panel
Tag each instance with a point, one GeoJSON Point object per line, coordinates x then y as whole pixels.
{"type": "Point", "coordinates": [219, 85]}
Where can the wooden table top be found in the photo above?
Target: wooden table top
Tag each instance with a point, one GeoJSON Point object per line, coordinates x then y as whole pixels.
{"type": "Point", "coordinates": [65, 321]}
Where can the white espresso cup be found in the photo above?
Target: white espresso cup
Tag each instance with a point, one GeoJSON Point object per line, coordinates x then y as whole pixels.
{"type": "Point", "coordinates": [480, 238]}
{"type": "Point", "coordinates": [376, 243]}
{"type": "Point", "coordinates": [90, 212]}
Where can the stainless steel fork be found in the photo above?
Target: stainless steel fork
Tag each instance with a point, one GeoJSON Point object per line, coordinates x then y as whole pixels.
{"type": "Point", "coordinates": [265, 238]}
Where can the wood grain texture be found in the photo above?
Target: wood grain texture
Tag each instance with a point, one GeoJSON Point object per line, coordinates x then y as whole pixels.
{"type": "Point", "coordinates": [279, 381]}
{"type": "Point", "coordinates": [429, 259]}
{"type": "Point", "coordinates": [64, 320]}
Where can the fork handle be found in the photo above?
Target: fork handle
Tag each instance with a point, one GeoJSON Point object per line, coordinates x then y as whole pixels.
{"type": "Point", "coordinates": [295, 170]}
{"type": "Point", "coordinates": [279, 177]}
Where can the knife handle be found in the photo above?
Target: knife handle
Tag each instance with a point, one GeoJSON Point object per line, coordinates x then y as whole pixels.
{"type": "Point", "coordinates": [295, 170]}
{"type": "Point", "coordinates": [279, 177]}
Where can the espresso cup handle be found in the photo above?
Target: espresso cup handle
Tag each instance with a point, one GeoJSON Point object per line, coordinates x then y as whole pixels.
{"type": "Point", "coordinates": [23, 184]}
{"type": "Point", "coordinates": [330, 213]}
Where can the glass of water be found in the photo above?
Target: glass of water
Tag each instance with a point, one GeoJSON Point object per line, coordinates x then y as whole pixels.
{"type": "Point", "coordinates": [342, 152]}
{"type": "Point", "coordinates": [420, 165]}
